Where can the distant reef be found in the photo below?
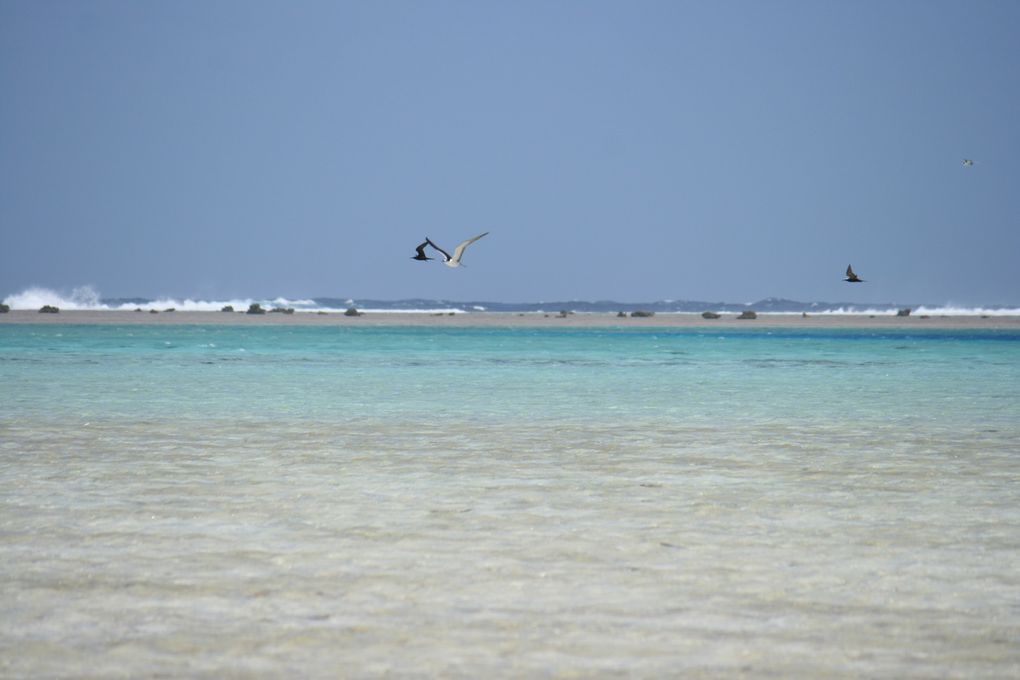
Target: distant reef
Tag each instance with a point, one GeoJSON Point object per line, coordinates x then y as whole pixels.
{"type": "Point", "coordinates": [337, 304]}
{"type": "Point", "coordinates": [766, 305]}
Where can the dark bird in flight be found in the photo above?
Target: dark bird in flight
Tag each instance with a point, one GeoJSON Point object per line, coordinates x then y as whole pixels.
{"type": "Point", "coordinates": [851, 277]}
{"type": "Point", "coordinates": [458, 252]}
{"type": "Point", "coordinates": [421, 252]}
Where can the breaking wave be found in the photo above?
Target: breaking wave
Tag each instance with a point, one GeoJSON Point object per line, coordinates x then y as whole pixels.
{"type": "Point", "coordinates": [84, 297]}
{"type": "Point", "coordinates": [922, 310]}
{"type": "Point", "coordinates": [88, 298]}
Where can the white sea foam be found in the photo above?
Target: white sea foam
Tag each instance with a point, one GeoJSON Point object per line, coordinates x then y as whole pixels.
{"type": "Point", "coordinates": [945, 310]}
{"type": "Point", "coordinates": [445, 310]}
{"type": "Point", "coordinates": [88, 298]}
{"type": "Point", "coordinates": [851, 312]}
{"type": "Point", "coordinates": [187, 305]}
{"type": "Point", "coordinates": [83, 297]}
{"type": "Point", "coordinates": [240, 304]}
{"type": "Point", "coordinates": [954, 310]}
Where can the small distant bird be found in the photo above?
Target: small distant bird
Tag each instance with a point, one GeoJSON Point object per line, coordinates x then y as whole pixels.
{"type": "Point", "coordinates": [967, 162]}
{"type": "Point", "coordinates": [458, 252]}
{"type": "Point", "coordinates": [421, 252]}
{"type": "Point", "coordinates": [851, 277]}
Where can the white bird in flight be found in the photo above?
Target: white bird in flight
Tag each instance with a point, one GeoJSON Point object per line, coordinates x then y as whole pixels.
{"type": "Point", "coordinates": [967, 162]}
{"type": "Point", "coordinates": [458, 252]}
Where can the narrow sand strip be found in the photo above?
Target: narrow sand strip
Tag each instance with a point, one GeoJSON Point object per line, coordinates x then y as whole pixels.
{"type": "Point", "coordinates": [509, 319]}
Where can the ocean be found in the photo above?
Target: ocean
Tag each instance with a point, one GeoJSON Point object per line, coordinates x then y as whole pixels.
{"type": "Point", "coordinates": [411, 501]}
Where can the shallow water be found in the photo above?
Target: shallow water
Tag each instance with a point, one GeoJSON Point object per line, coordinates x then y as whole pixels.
{"type": "Point", "coordinates": [323, 502]}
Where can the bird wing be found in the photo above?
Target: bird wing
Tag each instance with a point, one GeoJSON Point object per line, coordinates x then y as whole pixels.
{"type": "Point", "coordinates": [445, 254]}
{"type": "Point", "coordinates": [458, 252]}
{"type": "Point", "coordinates": [850, 272]}
{"type": "Point", "coordinates": [421, 248]}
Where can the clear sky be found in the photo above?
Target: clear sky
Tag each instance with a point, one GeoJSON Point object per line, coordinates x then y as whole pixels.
{"type": "Point", "coordinates": [713, 150]}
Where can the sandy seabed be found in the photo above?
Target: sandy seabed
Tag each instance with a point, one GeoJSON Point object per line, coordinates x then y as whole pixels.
{"type": "Point", "coordinates": [510, 319]}
{"type": "Point", "coordinates": [302, 515]}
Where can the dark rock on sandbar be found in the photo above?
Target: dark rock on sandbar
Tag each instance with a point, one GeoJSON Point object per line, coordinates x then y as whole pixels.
{"type": "Point", "coordinates": [281, 310]}
{"type": "Point", "coordinates": [48, 309]}
{"type": "Point", "coordinates": [903, 312]}
{"type": "Point", "coordinates": [709, 315]}
{"type": "Point", "coordinates": [351, 311]}
{"type": "Point", "coordinates": [4, 308]}
{"type": "Point", "coordinates": [255, 308]}
{"type": "Point", "coordinates": [621, 315]}
{"type": "Point", "coordinates": [642, 313]}
{"type": "Point", "coordinates": [748, 314]}
{"type": "Point", "coordinates": [228, 308]}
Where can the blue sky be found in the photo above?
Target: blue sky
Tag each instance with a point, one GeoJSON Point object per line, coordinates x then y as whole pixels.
{"type": "Point", "coordinates": [615, 150]}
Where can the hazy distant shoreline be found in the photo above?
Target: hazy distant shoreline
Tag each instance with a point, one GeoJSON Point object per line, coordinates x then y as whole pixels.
{"type": "Point", "coordinates": [504, 319]}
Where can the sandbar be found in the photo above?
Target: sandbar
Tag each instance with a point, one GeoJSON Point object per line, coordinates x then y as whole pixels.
{"type": "Point", "coordinates": [513, 319]}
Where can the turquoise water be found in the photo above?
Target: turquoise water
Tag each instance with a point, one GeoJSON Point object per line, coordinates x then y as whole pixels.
{"type": "Point", "coordinates": [273, 500]}
{"type": "Point", "coordinates": [484, 375]}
